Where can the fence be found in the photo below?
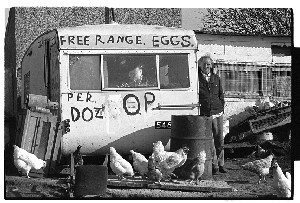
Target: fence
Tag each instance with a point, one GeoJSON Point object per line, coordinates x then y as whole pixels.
{"type": "Point", "coordinates": [252, 79]}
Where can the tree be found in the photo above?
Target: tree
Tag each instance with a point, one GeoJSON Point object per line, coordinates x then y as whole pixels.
{"type": "Point", "coordinates": [249, 21]}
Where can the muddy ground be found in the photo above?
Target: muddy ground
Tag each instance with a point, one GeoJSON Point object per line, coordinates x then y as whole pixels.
{"type": "Point", "coordinates": [244, 184]}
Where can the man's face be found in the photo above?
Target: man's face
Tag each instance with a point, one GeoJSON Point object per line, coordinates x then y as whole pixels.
{"type": "Point", "coordinates": [205, 66]}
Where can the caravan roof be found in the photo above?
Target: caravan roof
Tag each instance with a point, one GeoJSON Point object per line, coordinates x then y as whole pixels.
{"type": "Point", "coordinates": [133, 36]}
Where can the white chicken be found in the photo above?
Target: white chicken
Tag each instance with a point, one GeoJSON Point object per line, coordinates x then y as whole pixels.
{"type": "Point", "coordinates": [105, 162]}
{"type": "Point", "coordinates": [281, 183]}
{"type": "Point", "coordinates": [259, 153]}
{"type": "Point", "coordinates": [140, 163]}
{"type": "Point", "coordinates": [260, 167]}
{"type": "Point", "coordinates": [225, 128]}
{"type": "Point", "coordinates": [25, 161]}
{"type": "Point", "coordinates": [195, 169]}
{"type": "Point", "coordinates": [153, 173]}
{"type": "Point", "coordinates": [119, 165]}
{"type": "Point", "coordinates": [166, 162]}
{"type": "Point", "coordinates": [266, 104]}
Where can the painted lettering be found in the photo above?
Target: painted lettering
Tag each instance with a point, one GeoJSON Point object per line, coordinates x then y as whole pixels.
{"type": "Point", "coordinates": [138, 40]}
{"type": "Point", "coordinates": [174, 42]}
{"type": "Point", "coordinates": [98, 39]}
{"type": "Point", "coordinates": [71, 39]}
{"type": "Point", "coordinates": [70, 95]}
{"type": "Point", "coordinates": [75, 110]}
{"type": "Point", "coordinates": [131, 104]}
{"type": "Point", "coordinates": [88, 97]}
{"type": "Point", "coordinates": [128, 39]}
{"type": "Point", "coordinates": [120, 39]}
{"type": "Point", "coordinates": [79, 40]}
{"type": "Point", "coordinates": [155, 41]}
{"type": "Point", "coordinates": [99, 112]}
{"type": "Point", "coordinates": [79, 97]}
{"type": "Point", "coordinates": [86, 40]}
{"type": "Point", "coordinates": [164, 41]}
{"type": "Point", "coordinates": [84, 114]}
{"type": "Point", "coordinates": [148, 101]}
{"type": "Point", "coordinates": [110, 39]}
{"type": "Point", "coordinates": [62, 40]}
{"type": "Point", "coordinates": [188, 43]}
{"type": "Point", "coordinates": [158, 41]}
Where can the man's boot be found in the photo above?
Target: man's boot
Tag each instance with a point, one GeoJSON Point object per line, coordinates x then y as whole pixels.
{"type": "Point", "coordinates": [222, 169]}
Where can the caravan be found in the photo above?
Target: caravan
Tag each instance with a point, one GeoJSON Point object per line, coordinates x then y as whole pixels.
{"type": "Point", "coordinates": [117, 84]}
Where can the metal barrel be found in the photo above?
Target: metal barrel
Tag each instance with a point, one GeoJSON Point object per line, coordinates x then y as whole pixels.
{"type": "Point", "coordinates": [196, 133]}
{"type": "Point", "coordinates": [90, 180]}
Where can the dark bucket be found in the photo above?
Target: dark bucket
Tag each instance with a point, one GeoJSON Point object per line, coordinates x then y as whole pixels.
{"type": "Point", "coordinates": [90, 180]}
{"type": "Point", "coordinates": [196, 133]}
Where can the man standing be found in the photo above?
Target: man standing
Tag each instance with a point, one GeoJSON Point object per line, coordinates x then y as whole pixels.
{"type": "Point", "coordinates": [211, 98]}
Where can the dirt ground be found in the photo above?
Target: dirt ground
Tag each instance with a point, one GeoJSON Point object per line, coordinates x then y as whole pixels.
{"type": "Point", "coordinates": [244, 184]}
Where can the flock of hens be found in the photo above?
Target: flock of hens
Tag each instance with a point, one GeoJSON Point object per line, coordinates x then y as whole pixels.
{"type": "Point", "coordinates": [161, 165]}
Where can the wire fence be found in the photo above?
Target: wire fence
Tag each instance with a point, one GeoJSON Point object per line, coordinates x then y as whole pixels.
{"type": "Point", "coordinates": [250, 79]}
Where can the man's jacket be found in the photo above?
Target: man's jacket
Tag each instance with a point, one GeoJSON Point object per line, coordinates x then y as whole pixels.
{"type": "Point", "coordinates": [211, 96]}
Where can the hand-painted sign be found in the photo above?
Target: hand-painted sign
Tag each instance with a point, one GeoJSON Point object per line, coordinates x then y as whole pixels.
{"type": "Point", "coordinates": [127, 41]}
{"type": "Point", "coordinates": [84, 107]}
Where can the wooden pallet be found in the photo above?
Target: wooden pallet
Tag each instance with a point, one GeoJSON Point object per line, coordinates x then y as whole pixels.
{"type": "Point", "coordinates": [39, 135]}
{"type": "Point", "coordinates": [270, 119]}
{"type": "Point", "coordinates": [138, 182]}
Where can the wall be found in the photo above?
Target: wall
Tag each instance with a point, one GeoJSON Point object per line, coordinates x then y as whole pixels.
{"type": "Point", "coordinates": [242, 48]}
{"type": "Point", "coordinates": [10, 66]}
{"type": "Point", "coordinates": [10, 85]}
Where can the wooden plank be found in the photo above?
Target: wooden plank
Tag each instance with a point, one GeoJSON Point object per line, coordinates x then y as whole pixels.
{"type": "Point", "coordinates": [25, 130]}
{"type": "Point", "coordinates": [35, 145]}
{"type": "Point", "coordinates": [51, 142]}
{"type": "Point", "coordinates": [138, 182]}
{"type": "Point", "coordinates": [39, 137]}
{"type": "Point", "coordinates": [72, 168]}
{"type": "Point", "coordinates": [38, 147]}
{"type": "Point", "coordinates": [57, 141]}
{"type": "Point", "coordinates": [20, 128]}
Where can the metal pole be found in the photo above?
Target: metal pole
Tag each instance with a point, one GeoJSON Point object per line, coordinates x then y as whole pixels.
{"type": "Point", "coordinates": [106, 13]}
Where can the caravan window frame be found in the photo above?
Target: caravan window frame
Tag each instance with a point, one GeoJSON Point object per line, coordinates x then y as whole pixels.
{"type": "Point", "coordinates": [66, 54]}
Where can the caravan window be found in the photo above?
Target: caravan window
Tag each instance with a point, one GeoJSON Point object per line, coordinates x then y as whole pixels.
{"type": "Point", "coordinates": [129, 71]}
{"type": "Point", "coordinates": [85, 72]}
{"type": "Point", "coordinates": [174, 71]}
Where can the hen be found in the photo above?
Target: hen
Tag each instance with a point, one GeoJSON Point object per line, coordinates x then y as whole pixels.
{"type": "Point", "coordinates": [105, 162]}
{"type": "Point", "coordinates": [281, 182]}
{"type": "Point", "coordinates": [153, 173]}
{"type": "Point", "coordinates": [77, 156]}
{"type": "Point", "coordinates": [195, 169]}
{"type": "Point", "coordinates": [140, 163]}
{"type": "Point", "coordinates": [25, 161]}
{"type": "Point", "coordinates": [259, 153]}
{"type": "Point", "coordinates": [225, 128]}
{"type": "Point", "coordinates": [166, 162]}
{"type": "Point", "coordinates": [119, 165]}
{"type": "Point", "coordinates": [260, 167]}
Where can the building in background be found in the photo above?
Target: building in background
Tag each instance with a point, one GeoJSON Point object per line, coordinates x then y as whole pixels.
{"type": "Point", "coordinates": [252, 48]}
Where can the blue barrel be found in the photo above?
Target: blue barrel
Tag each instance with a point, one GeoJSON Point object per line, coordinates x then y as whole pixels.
{"type": "Point", "coordinates": [196, 133]}
{"type": "Point", "coordinates": [90, 180]}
